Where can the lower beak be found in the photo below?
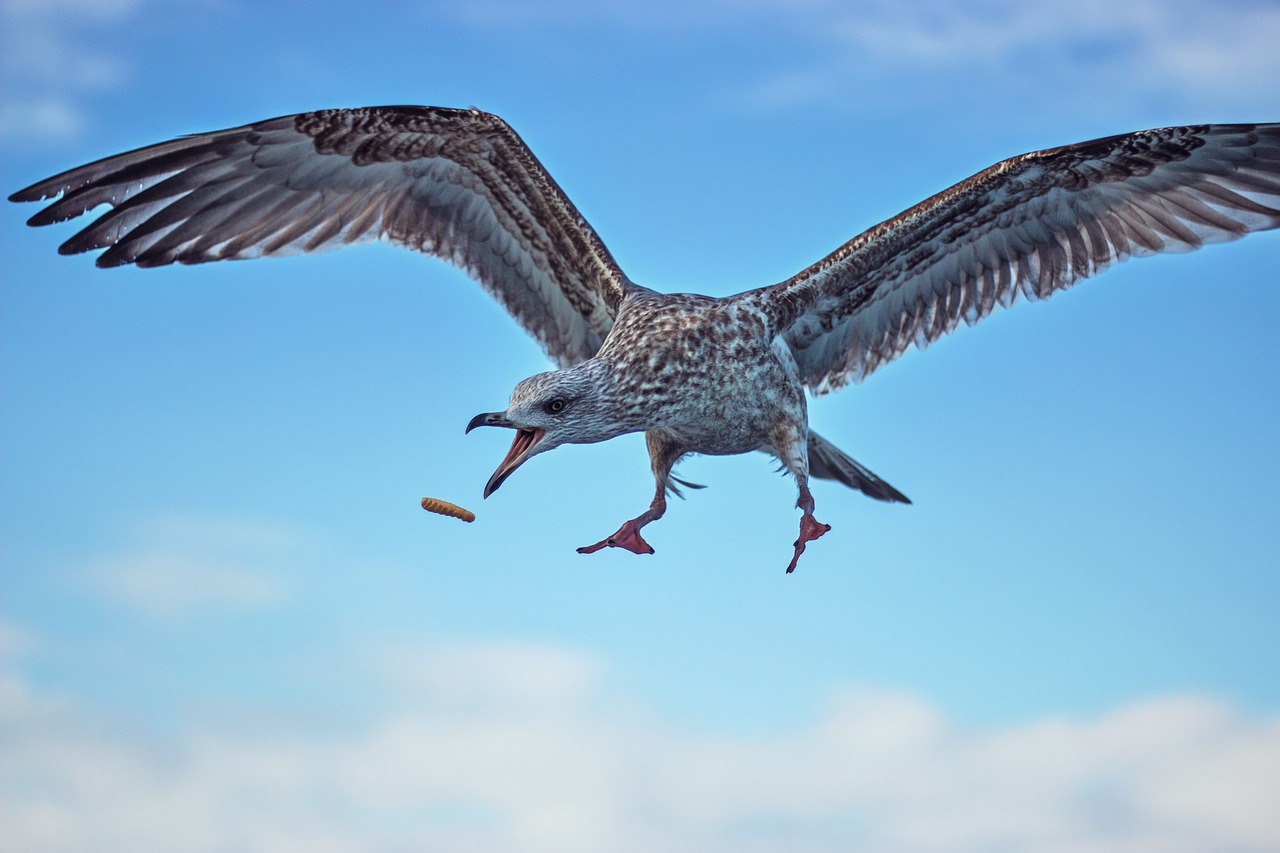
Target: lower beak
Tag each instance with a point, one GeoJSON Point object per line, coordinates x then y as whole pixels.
{"type": "Point", "coordinates": [526, 439]}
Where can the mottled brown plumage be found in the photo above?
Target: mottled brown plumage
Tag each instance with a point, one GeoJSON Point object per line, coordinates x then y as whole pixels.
{"type": "Point", "coordinates": [696, 374]}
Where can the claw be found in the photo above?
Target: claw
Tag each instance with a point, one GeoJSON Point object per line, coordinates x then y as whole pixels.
{"type": "Point", "coordinates": [810, 529]}
{"type": "Point", "coordinates": [628, 537]}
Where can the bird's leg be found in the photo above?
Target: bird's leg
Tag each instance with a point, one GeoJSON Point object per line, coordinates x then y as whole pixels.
{"type": "Point", "coordinates": [791, 444]}
{"type": "Point", "coordinates": [663, 455]}
{"type": "Point", "coordinates": [810, 527]}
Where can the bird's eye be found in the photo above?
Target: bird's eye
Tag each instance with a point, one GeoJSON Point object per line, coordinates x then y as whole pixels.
{"type": "Point", "coordinates": [556, 405]}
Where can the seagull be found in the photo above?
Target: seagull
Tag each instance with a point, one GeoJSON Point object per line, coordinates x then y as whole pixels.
{"type": "Point", "coordinates": [696, 374]}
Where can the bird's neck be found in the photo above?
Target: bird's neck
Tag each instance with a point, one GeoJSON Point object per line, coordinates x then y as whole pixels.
{"type": "Point", "coordinates": [623, 401]}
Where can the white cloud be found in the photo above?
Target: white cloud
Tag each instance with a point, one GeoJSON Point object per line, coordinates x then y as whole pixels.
{"type": "Point", "coordinates": [502, 746]}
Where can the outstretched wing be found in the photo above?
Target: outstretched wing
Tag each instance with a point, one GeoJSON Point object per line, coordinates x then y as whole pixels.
{"type": "Point", "coordinates": [1028, 226]}
{"type": "Point", "coordinates": [457, 184]}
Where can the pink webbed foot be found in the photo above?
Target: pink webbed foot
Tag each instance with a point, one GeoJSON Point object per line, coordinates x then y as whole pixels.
{"type": "Point", "coordinates": [810, 529]}
{"type": "Point", "coordinates": [628, 537]}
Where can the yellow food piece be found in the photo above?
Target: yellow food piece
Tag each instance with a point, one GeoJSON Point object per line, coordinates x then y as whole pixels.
{"type": "Point", "coordinates": [445, 508]}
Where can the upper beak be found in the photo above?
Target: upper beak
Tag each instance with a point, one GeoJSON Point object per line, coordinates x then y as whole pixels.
{"type": "Point", "coordinates": [526, 439]}
{"type": "Point", "coordinates": [490, 419]}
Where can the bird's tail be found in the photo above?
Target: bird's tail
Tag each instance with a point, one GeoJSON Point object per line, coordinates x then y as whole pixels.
{"type": "Point", "coordinates": [828, 462]}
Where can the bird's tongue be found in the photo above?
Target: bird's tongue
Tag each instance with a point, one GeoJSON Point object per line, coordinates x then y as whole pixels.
{"type": "Point", "coordinates": [525, 439]}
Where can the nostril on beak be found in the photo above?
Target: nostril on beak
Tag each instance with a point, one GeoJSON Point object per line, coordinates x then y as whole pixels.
{"type": "Point", "coordinates": [488, 419]}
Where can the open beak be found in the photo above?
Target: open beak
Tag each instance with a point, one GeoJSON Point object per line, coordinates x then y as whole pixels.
{"type": "Point", "coordinates": [526, 439]}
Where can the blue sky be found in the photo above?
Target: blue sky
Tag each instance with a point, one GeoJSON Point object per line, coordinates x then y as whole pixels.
{"type": "Point", "coordinates": [227, 624]}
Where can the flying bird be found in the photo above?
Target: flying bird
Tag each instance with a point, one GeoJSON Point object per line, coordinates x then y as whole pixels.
{"type": "Point", "coordinates": [695, 374]}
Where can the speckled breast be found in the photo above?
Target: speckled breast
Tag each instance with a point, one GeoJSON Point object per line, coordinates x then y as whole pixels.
{"type": "Point", "coordinates": [706, 371]}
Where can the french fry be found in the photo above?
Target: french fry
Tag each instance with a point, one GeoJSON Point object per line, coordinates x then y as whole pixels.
{"type": "Point", "coordinates": [445, 508]}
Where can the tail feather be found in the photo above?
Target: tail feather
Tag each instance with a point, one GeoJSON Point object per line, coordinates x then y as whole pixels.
{"type": "Point", "coordinates": [673, 484]}
{"type": "Point", "coordinates": [828, 462]}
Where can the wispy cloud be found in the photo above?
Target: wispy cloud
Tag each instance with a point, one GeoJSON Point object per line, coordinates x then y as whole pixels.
{"type": "Point", "coordinates": [476, 750]}
{"type": "Point", "coordinates": [177, 568]}
{"type": "Point", "coordinates": [515, 674]}
{"type": "Point", "coordinates": [56, 55]}
{"type": "Point", "coordinates": [1025, 58]}
{"type": "Point", "coordinates": [15, 641]}
{"type": "Point", "coordinates": [1060, 55]}
{"type": "Point", "coordinates": [171, 585]}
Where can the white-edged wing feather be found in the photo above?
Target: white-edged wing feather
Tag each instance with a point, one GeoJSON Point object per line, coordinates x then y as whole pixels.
{"type": "Point", "coordinates": [457, 184]}
{"type": "Point", "coordinates": [1028, 226]}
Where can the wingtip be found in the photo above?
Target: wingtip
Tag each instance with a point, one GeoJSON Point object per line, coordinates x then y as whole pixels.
{"type": "Point", "coordinates": [39, 191]}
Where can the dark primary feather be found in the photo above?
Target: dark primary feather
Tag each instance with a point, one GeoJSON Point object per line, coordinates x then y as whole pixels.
{"type": "Point", "coordinates": [457, 184]}
{"type": "Point", "coordinates": [1028, 226]}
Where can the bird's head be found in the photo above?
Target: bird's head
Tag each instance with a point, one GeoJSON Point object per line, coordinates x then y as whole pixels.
{"type": "Point", "coordinates": [546, 411]}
